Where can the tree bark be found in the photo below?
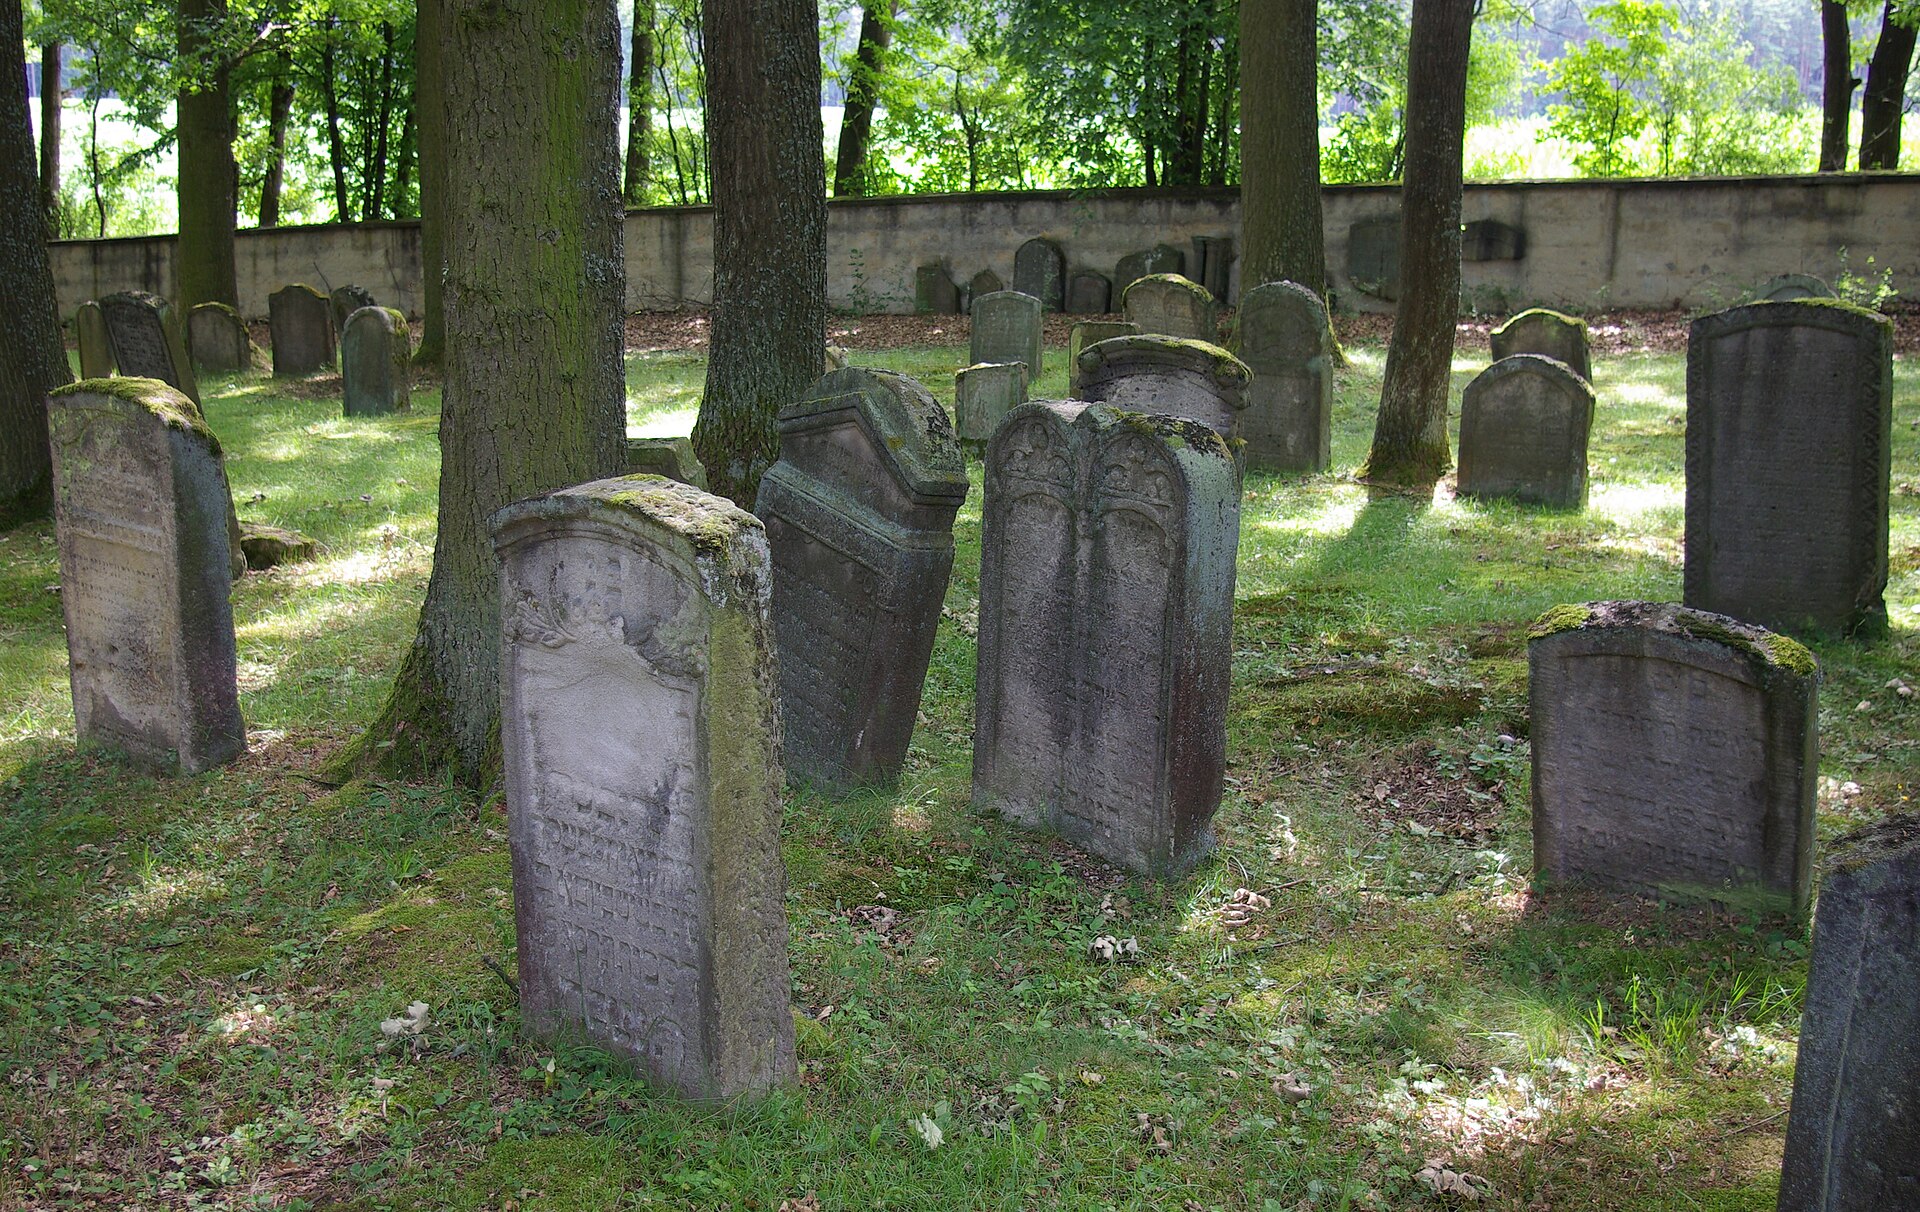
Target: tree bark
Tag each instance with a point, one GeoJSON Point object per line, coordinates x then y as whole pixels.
{"type": "Point", "coordinates": [336, 147]}
{"type": "Point", "coordinates": [279, 110]}
{"type": "Point", "coordinates": [639, 101]}
{"type": "Point", "coordinates": [376, 184]}
{"type": "Point", "coordinates": [1410, 433]}
{"type": "Point", "coordinates": [208, 178]}
{"type": "Point", "coordinates": [429, 104]}
{"type": "Point", "coordinates": [1886, 93]}
{"type": "Point", "coordinates": [1283, 235]}
{"type": "Point", "coordinates": [863, 87]}
{"type": "Point", "coordinates": [51, 95]}
{"type": "Point", "coordinates": [770, 219]}
{"type": "Point", "coordinates": [1838, 83]}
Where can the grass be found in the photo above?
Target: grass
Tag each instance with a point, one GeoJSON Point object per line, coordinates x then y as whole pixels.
{"type": "Point", "coordinates": [193, 973]}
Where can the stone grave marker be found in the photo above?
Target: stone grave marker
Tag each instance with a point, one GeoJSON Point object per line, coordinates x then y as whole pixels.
{"type": "Point", "coordinates": [1160, 259]}
{"type": "Point", "coordinates": [1492, 240]}
{"type": "Point", "coordinates": [1007, 328]}
{"type": "Point", "coordinates": [1789, 435]}
{"type": "Point", "coordinates": [1547, 333]}
{"type": "Point", "coordinates": [934, 292]}
{"type": "Point", "coordinates": [376, 362]}
{"type": "Point", "coordinates": [1674, 755]}
{"type": "Point", "coordinates": [859, 514]}
{"type": "Point", "coordinates": [984, 283]}
{"type": "Point", "coordinates": [1286, 343]}
{"type": "Point", "coordinates": [670, 457]}
{"type": "Point", "coordinates": [1106, 604]}
{"type": "Point", "coordinates": [1524, 423]}
{"type": "Point", "coordinates": [217, 338]}
{"type": "Point", "coordinates": [1089, 294]}
{"type": "Point", "coordinates": [983, 395]}
{"type": "Point", "coordinates": [1179, 378]}
{"type": "Point", "coordinates": [141, 509]}
{"type": "Point", "coordinates": [1785, 288]}
{"type": "Point", "coordinates": [344, 301]}
{"type": "Point", "coordinates": [641, 754]}
{"type": "Point", "coordinates": [1040, 270]}
{"type": "Point", "coordinates": [90, 332]}
{"type": "Point", "coordinates": [1086, 333]}
{"type": "Point", "coordinates": [1373, 256]}
{"type": "Point", "coordinates": [1213, 264]}
{"type": "Point", "coordinates": [301, 322]}
{"type": "Point", "coordinates": [145, 340]}
{"type": "Point", "coordinates": [1171, 306]}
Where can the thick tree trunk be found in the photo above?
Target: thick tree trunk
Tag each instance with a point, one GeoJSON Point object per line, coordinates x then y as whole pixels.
{"type": "Point", "coordinates": [863, 86]}
{"type": "Point", "coordinates": [533, 291]}
{"type": "Point", "coordinates": [1886, 93]}
{"type": "Point", "coordinates": [770, 223]}
{"type": "Point", "coordinates": [51, 94]}
{"type": "Point", "coordinates": [1410, 433]}
{"type": "Point", "coordinates": [1836, 90]}
{"type": "Point", "coordinates": [279, 110]}
{"type": "Point", "coordinates": [203, 259]}
{"type": "Point", "coordinates": [1282, 234]}
{"type": "Point", "coordinates": [336, 146]}
{"type": "Point", "coordinates": [639, 101]}
{"type": "Point", "coordinates": [429, 105]}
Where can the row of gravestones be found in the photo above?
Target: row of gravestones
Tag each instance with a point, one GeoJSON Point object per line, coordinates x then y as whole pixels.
{"type": "Point", "coordinates": [1040, 270]}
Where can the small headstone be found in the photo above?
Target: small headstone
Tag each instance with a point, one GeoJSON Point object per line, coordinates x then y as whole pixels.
{"type": "Point", "coordinates": [1373, 257]}
{"type": "Point", "coordinates": [934, 292]}
{"type": "Point", "coordinates": [1160, 259]}
{"type": "Point", "coordinates": [146, 343]}
{"type": "Point", "coordinates": [1524, 423]}
{"type": "Point", "coordinates": [140, 510]}
{"type": "Point", "coordinates": [90, 333]}
{"type": "Point", "coordinates": [1106, 618]}
{"type": "Point", "coordinates": [1285, 342]}
{"type": "Point", "coordinates": [836, 359]}
{"type": "Point", "coordinates": [1785, 288]}
{"type": "Point", "coordinates": [344, 301]}
{"type": "Point", "coordinates": [301, 323]}
{"type": "Point", "coordinates": [984, 283]}
{"type": "Point", "coordinates": [1089, 294]}
{"type": "Point", "coordinates": [376, 362]}
{"type": "Point", "coordinates": [1674, 755]}
{"type": "Point", "coordinates": [983, 395]}
{"type": "Point", "coordinates": [1214, 262]}
{"type": "Point", "coordinates": [1789, 447]}
{"type": "Point", "coordinates": [1853, 1136]}
{"type": "Point", "coordinates": [217, 338]}
{"type": "Point", "coordinates": [270, 546]}
{"type": "Point", "coordinates": [1492, 240]}
{"type": "Point", "coordinates": [640, 746]}
{"type": "Point", "coordinates": [669, 457]}
{"type": "Point", "coordinates": [1547, 333]}
{"type": "Point", "coordinates": [1171, 306]}
{"type": "Point", "coordinates": [1166, 375]}
{"type": "Point", "coordinates": [1007, 328]}
{"type": "Point", "coordinates": [1086, 333]}
{"type": "Point", "coordinates": [1040, 270]}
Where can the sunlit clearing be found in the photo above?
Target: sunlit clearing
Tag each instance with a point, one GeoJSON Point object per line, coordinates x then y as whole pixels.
{"type": "Point", "coordinates": [672, 423]}
{"type": "Point", "coordinates": [1336, 517]}
{"type": "Point", "coordinates": [367, 567]}
{"type": "Point", "coordinates": [1625, 502]}
{"type": "Point", "coordinates": [1643, 393]}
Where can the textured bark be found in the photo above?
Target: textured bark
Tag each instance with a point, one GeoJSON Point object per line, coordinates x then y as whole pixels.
{"type": "Point", "coordinates": [336, 146]}
{"type": "Point", "coordinates": [51, 92]}
{"type": "Point", "coordinates": [534, 395]}
{"type": "Point", "coordinates": [639, 101]}
{"type": "Point", "coordinates": [279, 110]}
{"type": "Point", "coordinates": [1410, 432]}
{"type": "Point", "coordinates": [863, 86]}
{"type": "Point", "coordinates": [376, 183]}
{"type": "Point", "coordinates": [1886, 93]}
{"type": "Point", "coordinates": [429, 106]}
{"type": "Point", "coordinates": [204, 259]}
{"type": "Point", "coordinates": [769, 233]}
{"type": "Point", "coordinates": [1836, 90]}
{"type": "Point", "coordinates": [1282, 231]}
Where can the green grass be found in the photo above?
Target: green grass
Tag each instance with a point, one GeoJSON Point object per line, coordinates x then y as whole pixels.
{"type": "Point", "coordinates": [193, 972]}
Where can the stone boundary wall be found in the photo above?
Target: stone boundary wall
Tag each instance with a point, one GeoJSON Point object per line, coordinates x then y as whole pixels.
{"type": "Point", "coordinates": [1589, 245]}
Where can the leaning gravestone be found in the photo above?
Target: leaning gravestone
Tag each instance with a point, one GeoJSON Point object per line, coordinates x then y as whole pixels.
{"type": "Point", "coordinates": [217, 338]}
{"type": "Point", "coordinates": [1789, 435]}
{"type": "Point", "coordinates": [670, 457]}
{"type": "Point", "coordinates": [302, 327]}
{"type": "Point", "coordinates": [1106, 619]}
{"type": "Point", "coordinates": [141, 514]}
{"type": "Point", "coordinates": [1007, 328]}
{"type": "Point", "coordinates": [1785, 288]}
{"type": "Point", "coordinates": [1373, 257]}
{"type": "Point", "coordinates": [934, 292]}
{"type": "Point", "coordinates": [983, 395]}
{"type": "Point", "coordinates": [1086, 333]}
{"type": "Point", "coordinates": [859, 514]}
{"type": "Point", "coordinates": [146, 342]}
{"type": "Point", "coordinates": [1547, 333]}
{"type": "Point", "coordinates": [984, 283]}
{"type": "Point", "coordinates": [1089, 294]}
{"type": "Point", "coordinates": [643, 781]}
{"type": "Point", "coordinates": [1853, 1137]}
{"type": "Point", "coordinates": [1286, 343]}
{"type": "Point", "coordinates": [1524, 423]}
{"type": "Point", "coordinates": [1171, 306]}
{"type": "Point", "coordinates": [376, 361]}
{"type": "Point", "coordinates": [1674, 755]}
{"type": "Point", "coordinates": [1040, 270]}
{"type": "Point", "coordinates": [344, 301]}
{"type": "Point", "coordinates": [1160, 259]}
{"type": "Point", "coordinates": [90, 333]}
{"type": "Point", "coordinates": [1177, 378]}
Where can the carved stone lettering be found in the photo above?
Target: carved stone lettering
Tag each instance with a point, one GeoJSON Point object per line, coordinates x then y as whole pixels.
{"type": "Point", "coordinates": [1171, 306]}
{"type": "Point", "coordinates": [376, 362]}
{"type": "Point", "coordinates": [1286, 343]}
{"type": "Point", "coordinates": [983, 395]}
{"type": "Point", "coordinates": [1006, 328]}
{"type": "Point", "coordinates": [1524, 423]}
{"type": "Point", "coordinates": [1169, 376]}
{"type": "Point", "coordinates": [301, 321]}
{"type": "Point", "coordinates": [1547, 333]}
{"type": "Point", "coordinates": [1040, 270]}
{"type": "Point", "coordinates": [146, 345]}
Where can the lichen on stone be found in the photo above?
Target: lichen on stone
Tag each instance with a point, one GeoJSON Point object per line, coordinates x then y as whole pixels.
{"type": "Point", "coordinates": [1565, 617]}
{"type": "Point", "coordinates": [165, 403]}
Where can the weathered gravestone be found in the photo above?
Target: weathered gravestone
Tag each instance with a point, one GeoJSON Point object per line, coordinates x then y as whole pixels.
{"type": "Point", "coordinates": [1106, 618]}
{"type": "Point", "coordinates": [934, 292]}
{"type": "Point", "coordinates": [376, 362]}
{"type": "Point", "coordinates": [1089, 294]}
{"type": "Point", "coordinates": [344, 301]}
{"type": "Point", "coordinates": [146, 341]}
{"type": "Point", "coordinates": [643, 781]}
{"type": "Point", "coordinates": [1492, 240]}
{"type": "Point", "coordinates": [1172, 306]}
{"type": "Point", "coordinates": [1040, 270]}
{"type": "Point", "coordinates": [1373, 256]}
{"type": "Point", "coordinates": [90, 333]}
{"type": "Point", "coordinates": [1785, 288]}
{"type": "Point", "coordinates": [984, 283]}
{"type": "Point", "coordinates": [1674, 754]}
{"type": "Point", "coordinates": [859, 513]}
{"type": "Point", "coordinates": [301, 323]}
{"type": "Point", "coordinates": [1167, 375]}
{"type": "Point", "coordinates": [670, 457]}
{"type": "Point", "coordinates": [1086, 333]}
{"type": "Point", "coordinates": [1547, 333]}
{"type": "Point", "coordinates": [1524, 423]}
{"type": "Point", "coordinates": [983, 395]}
{"type": "Point", "coordinates": [1213, 264]}
{"type": "Point", "coordinates": [141, 512]}
{"type": "Point", "coordinates": [1286, 343]}
{"type": "Point", "coordinates": [1853, 1137]}
{"type": "Point", "coordinates": [1789, 434]}
{"type": "Point", "coordinates": [217, 338]}
{"type": "Point", "coordinates": [1160, 259]}
{"type": "Point", "coordinates": [1007, 328]}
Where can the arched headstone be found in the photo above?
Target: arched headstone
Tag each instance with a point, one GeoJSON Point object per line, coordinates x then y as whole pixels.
{"type": "Point", "coordinates": [1524, 424]}
{"type": "Point", "coordinates": [1286, 343]}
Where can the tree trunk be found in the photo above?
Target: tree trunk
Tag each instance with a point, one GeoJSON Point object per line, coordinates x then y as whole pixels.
{"type": "Point", "coordinates": [403, 165]}
{"type": "Point", "coordinates": [1886, 93]}
{"type": "Point", "coordinates": [863, 86]}
{"type": "Point", "coordinates": [208, 178]}
{"type": "Point", "coordinates": [769, 232]}
{"type": "Point", "coordinates": [639, 101]}
{"type": "Point", "coordinates": [1410, 433]}
{"type": "Point", "coordinates": [51, 93]}
{"type": "Point", "coordinates": [279, 109]}
{"type": "Point", "coordinates": [32, 358]}
{"type": "Point", "coordinates": [1836, 90]}
{"type": "Point", "coordinates": [1220, 143]}
{"type": "Point", "coordinates": [429, 105]}
{"type": "Point", "coordinates": [1282, 235]}
{"type": "Point", "coordinates": [533, 291]}
{"type": "Point", "coordinates": [336, 147]}
{"type": "Point", "coordinates": [377, 174]}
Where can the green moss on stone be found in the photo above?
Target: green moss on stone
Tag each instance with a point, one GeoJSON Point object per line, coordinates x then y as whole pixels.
{"type": "Point", "coordinates": [1566, 617]}
{"type": "Point", "coordinates": [172, 409]}
{"type": "Point", "coordinates": [1561, 316]}
{"type": "Point", "coordinates": [1771, 647]}
{"type": "Point", "coordinates": [1836, 304]}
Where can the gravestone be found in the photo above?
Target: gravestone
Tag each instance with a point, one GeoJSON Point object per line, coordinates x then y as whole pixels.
{"type": "Point", "coordinates": [344, 301]}
{"type": "Point", "coordinates": [859, 514]}
{"type": "Point", "coordinates": [1106, 604]}
{"type": "Point", "coordinates": [1286, 343]}
{"type": "Point", "coordinates": [301, 322]}
{"type": "Point", "coordinates": [1171, 306]}
{"type": "Point", "coordinates": [1785, 288]}
{"type": "Point", "coordinates": [1492, 240]}
{"type": "Point", "coordinates": [934, 292]}
{"type": "Point", "coordinates": [1524, 423]}
{"type": "Point", "coordinates": [376, 362]}
{"type": "Point", "coordinates": [640, 747]}
{"type": "Point", "coordinates": [670, 457]}
{"type": "Point", "coordinates": [145, 339]}
{"type": "Point", "coordinates": [1547, 333]}
{"type": "Point", "coordinates": [1853, 1136]}
{"type": "Point", "coordinates": [1040, 270]}
{"type": "Point", "coordinates": [984, 283]}
{"type": "Point", "coordinates": [141, 510]}
{"type": "Point", "coordinates": [217, 338]}
{"type": "Point", "coordinates": [1674, 755]}
{"type": "Point", "coordinates": [1373, 257]}
{"type": "Point", "coordinates": [1086, 333]}
{"type": "Point", "coordinates": [835, 359]}
{"type": "Point", "coordinates": [1213, 262]}
{"type": "Point", "coordinates": [1089, 294]}
{"type": "Point", "coordinates": [1789, 436]}
{"type": "Point", "coordinates": [90, 333]}
{"type": "Point", "coordinates": [983, 395]}
{"type": "Point", "coordinates": [1160, 259]}
{"type": "Point", "coordinates": [1190, 379]}
{"type": "Point", "coordinates": [1007, 328]}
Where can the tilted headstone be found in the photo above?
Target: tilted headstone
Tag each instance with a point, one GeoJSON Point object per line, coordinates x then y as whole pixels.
{"type": "Point", "coordinates": [217, 338]}
{"type": "Point", "coordinates": [1007, 328]}
{"type": "Point", "coordinates": [1373, 257]}
{"type": "Point", "coordinates": [1785, 288]}
{"type": "Point", "coordinates": [859, 514]}
{"type": "Point", "coordinates": [1524, 423]}
{"type": "Point", "coordinates": [1160, 259]}
{"type": "Point", "coordinates": [1286, 343]}
{"type": "Point", "coordinates": [1089, 294]}
{"type": "Point", "coordinates": [1789, 439]}
{"type": "Point", "coordinates": [376, 362]}
{"type": "Point", "coordinates": [1086, 333]}
{"type": "Point", "coordinates": [1492, 240]}
{"type": "Point", "coordinates": [1213, 263]}
{"type": "Point", "coordinates": [1547, 333]}
{"type": "Point", "coordinates": [1171, 306]}
{"type": "Point", "coordinates": [641, 753]}
{"type": "Point", "coordinates": [1040, 270]}
{"type": "Point", "coordinates": [344, 301]}
{"type": "Point", "coordinates": [141, 510]}
{"type": "Point", "coordinates": [983, 395]}
{"type": "Point", "coordinates": [984, 283]}
{"type": "Point", "coordinates": [1853, 1136]}
{"type": "Point", "coordinates": [1106, 619]}
{"type": "Point", "coordinates": [145, 339]}
{"type": "Point", "coordinates": [670, 457]}
{"type": "Point", "coordinates": [1168, 375]}
{"type": "Point", "coordinates": [1674, 755]}
{"type": "Point", "coordinates": [301, 322]}
{"type": "Point", "coordinates": [90, 333]}
{"type": "Point", "coordinates": [934, 292]}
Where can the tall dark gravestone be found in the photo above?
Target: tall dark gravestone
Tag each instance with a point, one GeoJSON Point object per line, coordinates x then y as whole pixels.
{"type": "Point", "coordinates": [1547, 333]}
{"type": "Point", "coordinates": [1373, 256]}
{"type": "Point", "coordinates": [146, 341]}
{"type": "Point", "coordinates": [1213, 264]}
{"type": "Point", "coordinates": [1040, 270]}
{"type": "Point", "coordinates": [217, 338]}
{"type": "Point", "coordinates": [1674, 755]}
{"type": "Point", "coordinates": [376, 362]}
{"type": "Point", "coordinates": [140, 510]}
{"type": "Point", "coordinates": [934, 292]}
{"type": "Point", "coordinates": [301, 322]}
{"type": "Point", "coordinates": [859, 514]}
{"type": "Point", "coordinates": [1789, 449]}
{"type": "Point", "coordinates": [1007, 328]}
{"type": "Point", "coordinates": [1090, 332]}
{"type": "Point", "coordinates": [344, 301]}
{"type": "Point", "coordinates": [1106, 619]}
{"type": "Point", "coordinates": [1286, 343]}
{"type": "Point", "coordinates": [641, 753]}
{"type": "Point", "coordinates": [1524, 423]}
{"type": "Point", "coordinates": [90, 333]}
{"type": "Point", "coordinates": [1166, 375]}
{"type": "Point", "coordinates": [1171, 306]}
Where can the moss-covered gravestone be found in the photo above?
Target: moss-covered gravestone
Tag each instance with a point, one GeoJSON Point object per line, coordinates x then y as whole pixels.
{"type": "Point", "coordinates": [934, 292]}
{"type": "Point", "coordinates": [301, 322]}
{"type": "Point", "coordinates": [643, 781]}
{"type": "Point", "coordinates": [217, 338]}
{"type": "Point", "coordinates": [1674, 755]}
{"type": "Point", "coordinates": [982, 284]}
{"type": "Point", "coordinates": [1287, 345]}
{"type": "Point", "coordinates": [1106, 620]}
{"type": "Point", "coordinates": [1547, 333]}
{"type": "Point", "coordinates": [1524, 423]}
{"type": "Point", "coordinates": [1006, 328]}
{"type": "Point", "coordinates": [90, 334]}
{"type": "Point", "coordinates": [376, 362]}
{"type": "Point", "coordinates": [1160, 259]}
{"type": "Point", "coordinates": [1086, 333]}
{"type": "Point", "coordinates": [983, 395]}
{"type": "Point", "coordinates": [1785, 288]}
{"type": "Point", "coordinates": [1040, 270]}
{"type": "Point", "coordinates": [1171, 306]}
{"type": "Point", "coordinates": [146, 343]}
{"type": "Point", "coordinates": [141, 510]}
{"type": "Point", "coordinates": [1179, 378]}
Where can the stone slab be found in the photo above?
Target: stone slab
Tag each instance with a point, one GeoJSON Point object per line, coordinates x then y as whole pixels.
{"type": "Point", "coordinates": [1524, 425]}
{"type": "Point", "coordinates": [983, 395]}
{"type": "Point", "coordinates": [217, 339]}
{"type": "Point", "coordinates": [1007, 328]}
{"type": "Point", "coordinates": [1160, 259]}
{"type": "Point", "coordinates": [1171, 306]}
{"type": "Point", "coordinates": [670, 457]}
{"type": "Point", "coordinates": [1785, 288]}
{"type": "Point", "coordinates": [1286, 343]}
{"type": "Point", "coordinates": [1213, 263]}
{"type": "Point", "coordinates": [1550, 334]}
{"type": "Point", "coordinates": [1168, 376]}
{"type": "Point", "coordinates": [1040, 270]}
{"type": "Point", "coordinates": [301, 321]}
{"type": "Point", "coordinates": [1373, 256]}
{"type": "Point", "coordinates": [376, 363]}
{"type": "Point", "coordinates": [934, 292]}
{"type": "Point", "coordinates": [145, 337]}
{"type": "Point", "coordinates": [344, 301]}
{"type": "Point", "coordinates": [96, 348]}
{"type": "Point", "coordinates": [1089, 294]}
{"type": "Point", "coordinates": [1492, 240]}
{"type": "Point", "coordinates": [1086, 333]}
